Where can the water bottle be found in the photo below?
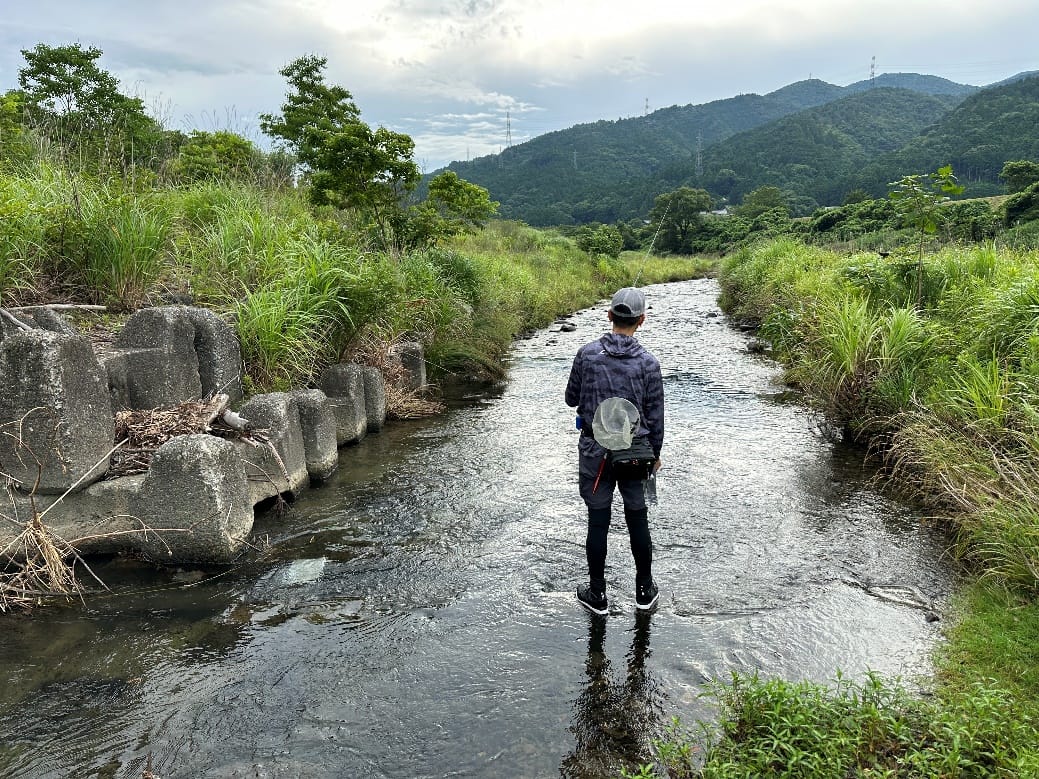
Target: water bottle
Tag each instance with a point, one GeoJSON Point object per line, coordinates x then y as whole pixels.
{"type": "Point", "coordinates": [649, 489]}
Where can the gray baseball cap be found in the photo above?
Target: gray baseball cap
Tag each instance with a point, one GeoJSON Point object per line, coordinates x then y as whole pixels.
{"type": "Point", "coordinates": [629, 302]}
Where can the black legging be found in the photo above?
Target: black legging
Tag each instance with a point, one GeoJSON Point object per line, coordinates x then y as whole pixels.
{"type": "Point", "coordinates": [641, 544]}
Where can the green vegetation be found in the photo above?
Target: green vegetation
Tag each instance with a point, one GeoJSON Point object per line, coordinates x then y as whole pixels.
{"type": "Point", "coordinates": [940, 379]}
{"type": "Point", "coordinates": [870, 729]}
{"type": "Point", "coordinates": [338, 267]}
{"type": "Point", "coordinates": [813, 141]}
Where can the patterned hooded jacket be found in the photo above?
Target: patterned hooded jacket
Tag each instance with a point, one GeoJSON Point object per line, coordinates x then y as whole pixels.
{"type": "Point", "coordinates": [617, 366]}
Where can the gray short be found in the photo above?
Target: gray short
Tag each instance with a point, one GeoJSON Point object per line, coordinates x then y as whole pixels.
{"type": "Point", "coordinates": [600, 496]}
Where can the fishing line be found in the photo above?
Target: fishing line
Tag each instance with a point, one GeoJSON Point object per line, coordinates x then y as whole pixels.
{"type": "Point", "coordinates": [652, 243]}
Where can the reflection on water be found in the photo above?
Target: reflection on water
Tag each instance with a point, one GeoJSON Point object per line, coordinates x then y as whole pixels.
{"type": "Point", "coordinates": [415, 615]}
{"type": "Point", "coordinates": [617, 711]}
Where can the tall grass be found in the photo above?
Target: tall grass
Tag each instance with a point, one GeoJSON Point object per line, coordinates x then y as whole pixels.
{"type": "Point", "coordinates": [951, 386]}
{"type": "Point", "coordinates": [301, 285]}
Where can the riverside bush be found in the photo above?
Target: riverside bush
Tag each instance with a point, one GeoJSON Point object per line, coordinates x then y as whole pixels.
{"type": "Point", "coordinates": [302, 285]}
{"type": "Point", "coordinates": [943, 385]}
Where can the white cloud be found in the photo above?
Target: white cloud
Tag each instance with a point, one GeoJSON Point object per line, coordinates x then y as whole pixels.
{"type": "Point", "coordinates": [448, 71]}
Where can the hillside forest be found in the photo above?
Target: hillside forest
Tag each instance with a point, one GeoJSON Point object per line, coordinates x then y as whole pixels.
{"type": "Point", "coordinates": [814, 146]}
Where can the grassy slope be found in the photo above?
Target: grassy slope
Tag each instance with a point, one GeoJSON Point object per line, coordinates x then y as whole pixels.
{"type": "Point", "coordinates": [948, 393]}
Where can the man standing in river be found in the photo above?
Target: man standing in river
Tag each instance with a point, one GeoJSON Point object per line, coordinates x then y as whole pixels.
{"type": "Point", "coordinates": [617, 366]}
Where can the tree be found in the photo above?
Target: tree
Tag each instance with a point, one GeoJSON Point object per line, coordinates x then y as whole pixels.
{"type": "Point", "coordinates": [604, 239]}
{"type": "Point", "coordinates": [209, 156]}
{"type": "Point", "coordinates": [857, 195]}
{"type": "Point", "coordinates": [761, 200]}
{"type": "Point", "coordinates": [350, 165]}
{"type": "Point", "coordinates": [1019, 175]}
{"type": "Point", "coordinates": [677, 216]}
{"type": "Point", "coordinates": [917, 199]}
{"type": "Point", "coordinates": [452, 206]}
{"type": "Point", "coordinates": [1022, 206]}
{"type": "Point", "coordinates": [14, 137]}
{"type": "Point", "coordinates": [463, 206]}
{"type": "Point", "coordinates": [724, 182]}
{"type": "Point", "coordinates": [78, 105]}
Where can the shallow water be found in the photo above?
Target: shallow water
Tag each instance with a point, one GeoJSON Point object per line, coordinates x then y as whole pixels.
{"type": "Point", "coordinates": [415, 617]}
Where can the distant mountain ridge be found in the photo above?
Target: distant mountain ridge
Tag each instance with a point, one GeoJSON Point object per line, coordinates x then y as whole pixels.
{"type": "Point", "coordinates": [611, 170]}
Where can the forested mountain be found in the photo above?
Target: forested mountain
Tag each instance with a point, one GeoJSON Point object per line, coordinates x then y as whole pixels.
{"type": "Point", "coordinates": [582, 173]}
{"type": "Point", "coordinates": [917, 82]}
{"type": "Point", "coordinates": [984, 131]}
{"type": "Point", "coordinates": [815, 153]}
{"type": "Point", "coordinates": [605, 170]}
{"type": "Point", "coordinates": [814, 140]}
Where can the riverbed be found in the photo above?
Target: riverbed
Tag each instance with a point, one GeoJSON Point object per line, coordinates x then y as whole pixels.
{"type": "Point", "coordinates": [415, 615]}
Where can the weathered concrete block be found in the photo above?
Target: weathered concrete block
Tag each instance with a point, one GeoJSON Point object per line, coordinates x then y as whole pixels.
{"type": "Point", "coordinates": [154, 363]}
{"type": "Point", "coordinates": [283, 470]}
{"type": "Point", "coordinates": [344, 385]}
{"type": "Point", "coordinates": [193, 505]}
{"type": "Point", "coordinates": [164, 356]}
{"type": "Point", "coordinates": [198, 484]}
{"type": "Point", "coordinates": [374, 398]}
{"type": "Point", "coordinates": [219, 354]}
{"type": "Point", "coordinates": [39, 318]}
{"type": "Point", "coordinates": [413, 360]}
{"type": "Point", "coordinates": [152, 378]}
{"type": "Point", "coordinates": [55, 400]}
{"type": "Point", "coordinates": [318, 423]}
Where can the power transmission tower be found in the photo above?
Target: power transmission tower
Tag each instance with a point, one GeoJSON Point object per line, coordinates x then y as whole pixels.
{"type": "Point", "coordinates": [699, 154]}
{"type": "Point", "coordinates": [873, 71]}
{"type": "Point", "coordinates": [646, 111]}
{"type": "Point", "coordinates": [508, 130]}
{"type": "Point", "coordinates": [575, 159]}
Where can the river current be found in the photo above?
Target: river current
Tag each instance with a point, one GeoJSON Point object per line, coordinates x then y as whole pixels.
{"type": "Point", "coordinates": [415, 615]}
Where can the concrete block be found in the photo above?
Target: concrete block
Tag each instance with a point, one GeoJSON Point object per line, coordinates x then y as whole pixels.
{"type": "Point", "coordinates": [413, 360]}
{"type": "Point", "coordinates": [197, 484]}
{"type": "Point", "coordinates": [318, 423]}
{"type": "Point", "coordinates": [219, 354]}
{"type": "Point", "coordinates": [192, 505]}
{"type": "Point", "coordinates": [154, 363]}
{"type": "Point", "coordinates": [55, 408]}
{"type": "Point", "coordinates": [374, 397]}
{"type": "Point", "coordinates": [283, 470]}
{"type": "Point", "coordinates": [344, 385]}
{"type": "Point", "coordinates": [152, 378]}
{"type": "Point", "coordinates": [39, 318]}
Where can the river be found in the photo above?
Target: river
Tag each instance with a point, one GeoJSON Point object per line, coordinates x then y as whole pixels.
{"type": "Point", "coordinates": [415, 615]}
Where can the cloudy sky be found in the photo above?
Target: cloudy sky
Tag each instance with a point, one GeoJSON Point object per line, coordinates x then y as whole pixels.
{"type": "Point", "coordinates": [462, 76]}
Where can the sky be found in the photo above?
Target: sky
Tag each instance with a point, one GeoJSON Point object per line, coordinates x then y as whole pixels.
{"type": "Point", "coordinates": [464, 78]}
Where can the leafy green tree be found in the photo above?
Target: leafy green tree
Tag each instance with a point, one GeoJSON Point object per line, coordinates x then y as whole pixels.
{"type": "Point", "coordinates": [1019, 175]}
{"type": "Point", "coordinates": [676, 216]}
{"type": "Point", "coordinates": [350, 165]}
{"type": "Point", "coordinates": [724, 182]}
{"type": "Point", "coordinates": [1022, 206]}
{"type": "Point", "coordinates": [311, 103]}
{"type": "Point", "coordinates": [14, 136]}
{"type": "Point", "coordinates": [461, 205]}
{"type": "Point", "coordinates": [760, 200]}
{"type": "Point", "coordinates": [213, 156]}
{"type": "Point", "coordinates": [857, 195]}
{"type": "Point", "coordinates": [79, 106]}
{"type": "Point", "coordinates": [604, 239]}
{"type": "Point", "coordinates": [452, 206]}
{"type": "Point", "coordinates": [918, 199]}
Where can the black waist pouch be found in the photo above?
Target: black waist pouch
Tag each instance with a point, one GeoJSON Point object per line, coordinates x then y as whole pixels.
{"type": "Point", "coordinates": [634, 463]}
